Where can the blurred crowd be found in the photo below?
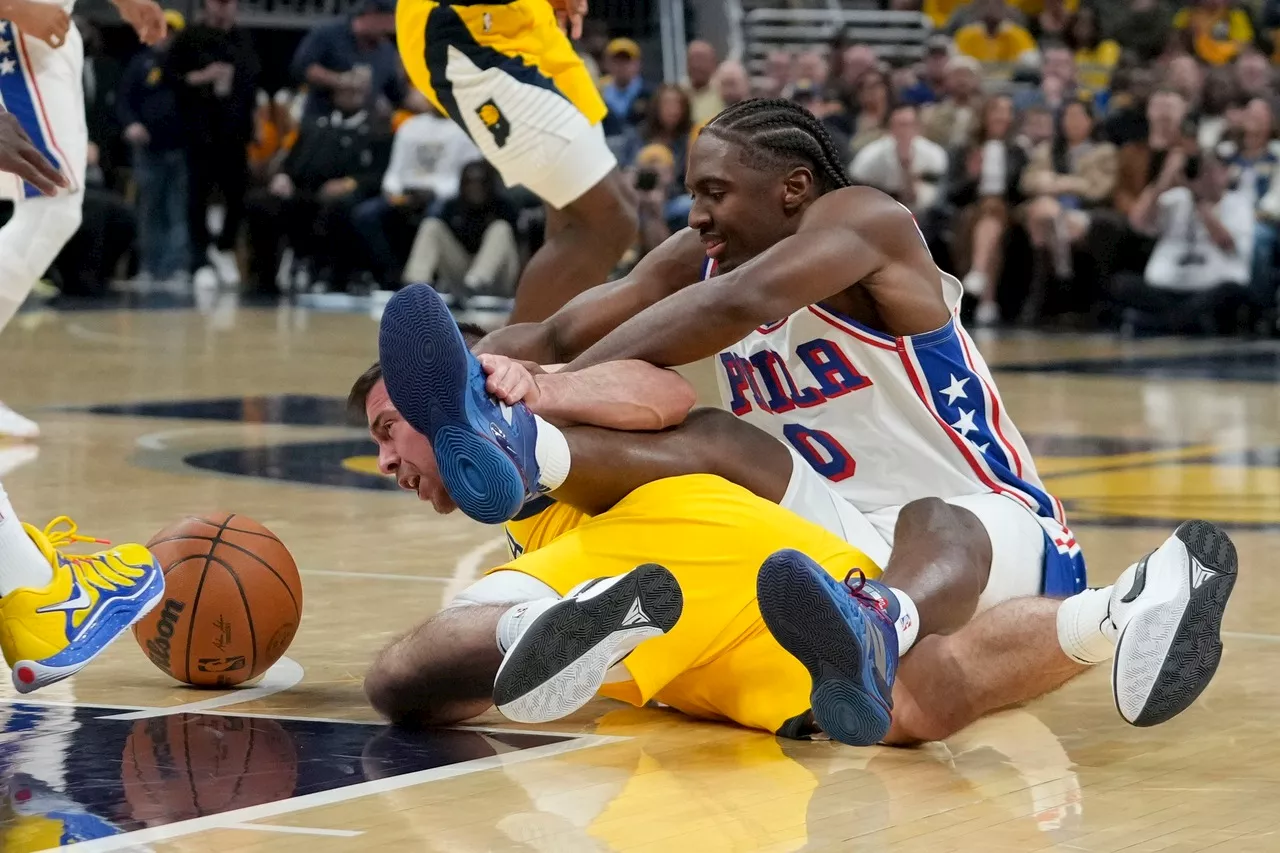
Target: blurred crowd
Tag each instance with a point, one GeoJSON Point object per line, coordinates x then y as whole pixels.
{"type": "Point", "coordinates": [1091, 163]}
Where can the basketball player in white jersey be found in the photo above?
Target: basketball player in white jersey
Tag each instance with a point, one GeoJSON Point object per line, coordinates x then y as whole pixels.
{"type": "Point", "coordinates": [837, 334]}
{"type": "Point", "coordinates": [41, 71]}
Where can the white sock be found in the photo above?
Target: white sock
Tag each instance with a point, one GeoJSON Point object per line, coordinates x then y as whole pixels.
{"type": "Point", "coordinates": [22, 566]}
{"type": "Point", "coordinates": [908, 623]}
{"type": "Point", "coordinates": [1083, 627]}
{"type": "Point", "coordinates": [515, 621]}
{"type": "Point", "coordinates": [552, 452]}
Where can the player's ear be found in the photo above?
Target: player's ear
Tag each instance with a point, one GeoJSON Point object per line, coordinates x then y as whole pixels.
{"type": "Point", "coordinates": [797, 188]}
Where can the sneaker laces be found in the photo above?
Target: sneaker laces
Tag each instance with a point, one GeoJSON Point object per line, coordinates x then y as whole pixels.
{"type": "Point", "coordinates": [858, 590]}
{"type": "Point", "coordinates": [93, 569]}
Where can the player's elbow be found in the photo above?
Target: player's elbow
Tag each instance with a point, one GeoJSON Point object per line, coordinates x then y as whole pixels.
{"type": "Point", "coordinates": [677, 401]}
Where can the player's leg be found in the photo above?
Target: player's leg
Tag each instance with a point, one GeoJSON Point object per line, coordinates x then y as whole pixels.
{"type": "Point", "coordinates": [56, 612]}
{"type": "Point", "coordinates": [584, 240]}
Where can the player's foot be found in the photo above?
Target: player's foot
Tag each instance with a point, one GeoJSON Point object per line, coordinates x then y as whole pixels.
{"type": "Point", "coordinates": [485, 449]}
{"type": "Point", "coordinates": [1167, 613]}
{"type": "Point", "coordinates": [14, 425]}
{"type": "Point", "coordinates": [843, 634]}
{"type": "Point", "coordinates": [43, 819]}
{"type": "Point", "coordinates": [50, 634]}
{"type": "Point", "coordinates": [560, 661]}
{"type": "Point", "coordinates": [225, 266]}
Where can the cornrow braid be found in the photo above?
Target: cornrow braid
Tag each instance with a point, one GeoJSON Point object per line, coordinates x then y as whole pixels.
{"type": "Point", "coordinates": [775, 132]}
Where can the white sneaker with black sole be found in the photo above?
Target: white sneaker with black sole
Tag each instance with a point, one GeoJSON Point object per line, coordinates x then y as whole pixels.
{"type": "Point", "coordinates": [559, 662]}
{"type": "Point", "coordinates": [1167, 613]}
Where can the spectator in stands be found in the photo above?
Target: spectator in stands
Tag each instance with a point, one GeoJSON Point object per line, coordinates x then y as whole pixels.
{"type": "Point", "coordinates": [993, 38]}
{"type": "Point", "coordinates": [148, 107]}
{"type": "Point", "coordinates": [469, 249]}
{"type": "Point", "coordinates": [1037, 128]}
{"type": "Point", "coordinates": [101, 87]}
{"type": "Point", "coordinates": [1186, 76]}
{"type": "Point", "coordinates": [1218, 29]}
{"type": "Point", "coordinates": [1127, 106]}
{"type": "Point", "coordinates": [931, 85]}
{"type": "Point", "coordinates": [1095, 57]}
{"type": "Point", "coordinates": [982, 188]}
{"type": "Point", "coordinates": [950, 122]}
{"type": "Point", "coordinates": [700, 69]}
{"type": "Point", "coordinates": [940, 12]}
{"type": "Point", "coordinates": [625, 92]}
{"type": "Point", "coordinates": [1253, 75]}
{"type": "Point", "coordinates": [1255, 169]}
{"type": "Point", "coordinates": [1219, 108]}
{"type": "Point", "coordinates": [1196, 278]}
{"type": "Point", "coordinates": [856, 61]}
{"type": "Point", "coordinates": [902, 163]}
{"type": "Point", "coordinates": [655, 185]}
{"type": "Point", "coordinates": [334, 54]}
{"type": "Point", "coordinates": [1065, 180]}
{"type": "Point", "coordinates": [732, 82]}
{"type": "Point", "coordinates": [777, 74]}
{"type": "Point", "coordinates": [427, 157]}
{"type": "Point", "coordinates": [595, 38]}
{"type": "Point", "coordinates": [810, 66]}
{"type": "Point", "coordinates": [874, 104]}
{"type": "Point", "coordinates": [1051, 23]}
{"type": "Point", "coordinates": [216, 69]}
{"type": "Point", "coordinates": [1143, 28]}
{"type": "Point", "coordinates": [1058, 81]}
{"type": "Point", "coordinates": [670, 123]}
{"type": "Point", "coordinates": [832, 115]}
{"type": "Point", "coordinates": [337, 162]}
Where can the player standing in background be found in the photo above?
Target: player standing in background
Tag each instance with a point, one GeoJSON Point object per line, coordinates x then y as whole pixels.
{"type": "Point", "coordinates": [508, 75]}
{"type": "Point", "coordinates": [41, 71]}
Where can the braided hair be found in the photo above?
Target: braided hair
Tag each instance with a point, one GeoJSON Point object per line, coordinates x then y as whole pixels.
{"type": "Point", "coordinates": [775, 133]}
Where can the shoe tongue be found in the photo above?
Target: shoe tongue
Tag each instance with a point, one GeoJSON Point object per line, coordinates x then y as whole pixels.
{"type": "Point", "coordinates": [879, 592]}
{"type": "Point", "coordinates": [42, 542]}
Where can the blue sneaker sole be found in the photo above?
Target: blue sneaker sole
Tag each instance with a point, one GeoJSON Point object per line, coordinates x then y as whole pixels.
{"type": "Point", "coordinates": [428, 370]}
{"type": "Point", "coordinates": [803, 617]}
{"type": "Point", "coordinates": [119, 615]}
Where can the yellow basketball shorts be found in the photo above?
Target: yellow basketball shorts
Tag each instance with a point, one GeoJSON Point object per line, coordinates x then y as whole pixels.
{"type": "Point", "coordinates": [720, 661]}
{"type": "Point", "coordinates": [509, 76]}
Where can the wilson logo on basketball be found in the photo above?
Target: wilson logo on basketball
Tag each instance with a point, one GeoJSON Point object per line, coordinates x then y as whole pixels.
{"type": "Point", "coordinates": [158, 646]}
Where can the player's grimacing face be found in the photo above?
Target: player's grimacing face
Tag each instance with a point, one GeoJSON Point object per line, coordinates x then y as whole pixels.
{"type": "Point", "coordinates": [403, 452]}
{"type": "Point", "coordinates": [739, 211]}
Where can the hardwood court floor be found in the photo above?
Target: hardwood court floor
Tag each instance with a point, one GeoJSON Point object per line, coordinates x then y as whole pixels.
{"type": "Point", "coordinates": [152, 414]}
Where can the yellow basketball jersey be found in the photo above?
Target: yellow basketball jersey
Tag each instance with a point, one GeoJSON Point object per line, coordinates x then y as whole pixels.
{"type": "Point", "coordinates": [520, 37]}
{"type": "Point", "coordinates": [720, 660]}
{"type": "Point", "coordinates": [540, 522]}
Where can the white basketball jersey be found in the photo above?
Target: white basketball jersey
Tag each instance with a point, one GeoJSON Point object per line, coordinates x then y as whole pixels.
{"type": "Point", "coordinates": [886, 420]}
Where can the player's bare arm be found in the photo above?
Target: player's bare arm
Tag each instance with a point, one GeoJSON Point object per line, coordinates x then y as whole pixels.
{"type": "Point", "coordinates": [674, 265]}
{"type": "Point", "coordinates": [852, 240]}
{"type": "Point", "coordinates": [145, 16]}
{"type": "Point", "coordinates": [624, 395]}
{"type": "Point", "coordinates": [43, 21]}
{"type": "Point", "coordinates": [19, 157]}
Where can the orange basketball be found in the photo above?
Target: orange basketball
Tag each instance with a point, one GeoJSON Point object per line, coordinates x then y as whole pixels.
{"type": "Point", "coordinates": [232, 601]}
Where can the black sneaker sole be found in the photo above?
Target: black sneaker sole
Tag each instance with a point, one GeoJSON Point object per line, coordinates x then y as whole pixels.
{"type": "Point", "coordinates": [1195, 650]}
{"type": "Point", "coordinates": [561, 660]}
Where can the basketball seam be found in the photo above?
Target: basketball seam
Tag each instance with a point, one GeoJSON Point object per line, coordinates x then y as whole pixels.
{"type": "Point", "coordinates": [296, 609]}
{"type": "Point", "coordinates": [195, 600]}
{"type": "Point", "coordinates": [248, 612]}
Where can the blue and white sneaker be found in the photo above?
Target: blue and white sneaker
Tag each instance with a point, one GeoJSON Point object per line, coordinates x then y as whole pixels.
{"type": "Point", "coordinates": [484, 448]}
{"type": "Point", "coordinates": [844, 635]}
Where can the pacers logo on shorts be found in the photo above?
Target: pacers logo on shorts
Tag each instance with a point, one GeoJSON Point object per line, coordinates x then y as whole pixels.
{"type": "Point", "coordinates": [495, 121]}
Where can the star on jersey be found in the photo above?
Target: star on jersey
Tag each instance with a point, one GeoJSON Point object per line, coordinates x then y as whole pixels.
{"type": "Point", "coordinates": [7, 65]}
{"type": "Point", "coordinates": [965, 425]}
{"type": "Point", "coordinates": [955, 391]}
{"type": "Point", "coordinates": [5, 44]}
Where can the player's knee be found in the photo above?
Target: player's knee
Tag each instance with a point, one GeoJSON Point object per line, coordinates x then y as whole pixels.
{"type": "Point", "coordinates": [936, 519]}
{"type": "Point", "coordinates": [404, 696]}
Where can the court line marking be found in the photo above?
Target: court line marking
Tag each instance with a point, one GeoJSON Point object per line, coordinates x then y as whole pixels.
{"type": "Point", "coordinates": [332, 797]}
{"type": "Point", "coordinates": [377, 576]}
{"type": "Point", "coordinates": [295, 830]}
{"type": "Point", "coordinates": [468, 567]}
{"type": "Point", "coordinates": [283, 674]}
{"type": "Point", "coordinates": [1245, 635]}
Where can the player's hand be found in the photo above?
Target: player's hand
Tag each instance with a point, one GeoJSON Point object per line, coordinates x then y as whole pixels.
{"type": "Point", "coordinates": [511, 381]}
{"type": "Point", "coordinates": [146, 17]}
{"type": "Point", "coordinates": [19, 157]}
{"type": "Point", "coordinates": [44, 21]}
{"type": "Point", "coordinates": [569, 14]}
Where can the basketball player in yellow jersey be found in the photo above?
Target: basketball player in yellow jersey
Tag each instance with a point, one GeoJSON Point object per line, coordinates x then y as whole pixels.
{"type": "Point", "coordinates": [508, 75]}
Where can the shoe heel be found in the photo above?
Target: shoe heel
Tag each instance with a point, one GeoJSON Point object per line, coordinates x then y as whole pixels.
{"type": "Point", "coordinates": [483, 482]}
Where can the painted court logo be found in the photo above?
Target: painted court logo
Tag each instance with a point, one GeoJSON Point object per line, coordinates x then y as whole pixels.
{"type": "Point", "coordinates": [495, 121]}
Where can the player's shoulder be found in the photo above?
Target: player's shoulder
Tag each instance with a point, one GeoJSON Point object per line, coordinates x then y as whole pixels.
{"type": "Point", "coordinates": [858, 208]}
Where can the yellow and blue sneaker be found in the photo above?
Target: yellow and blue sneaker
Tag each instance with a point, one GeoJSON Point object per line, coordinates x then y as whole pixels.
{"type": "Point", "coordinates": [50, 634]}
